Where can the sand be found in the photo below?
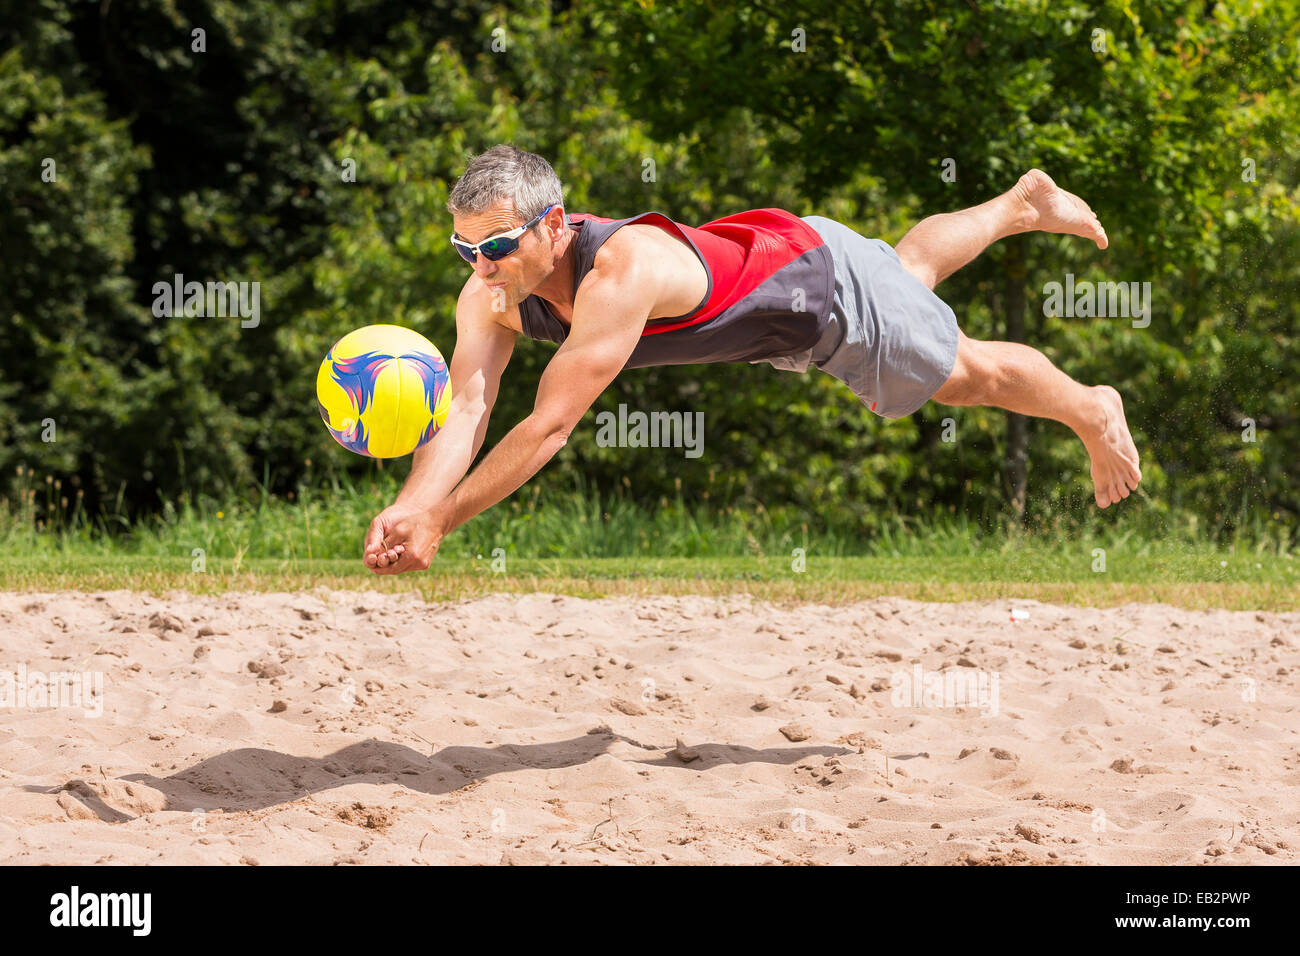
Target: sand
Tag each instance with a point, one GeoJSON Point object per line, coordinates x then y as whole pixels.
{"type": "Point", "coordinates": [335, 727]}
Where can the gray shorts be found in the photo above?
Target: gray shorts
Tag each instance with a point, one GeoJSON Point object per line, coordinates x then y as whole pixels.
{"type": "Point", "coordinates": [890, 338]}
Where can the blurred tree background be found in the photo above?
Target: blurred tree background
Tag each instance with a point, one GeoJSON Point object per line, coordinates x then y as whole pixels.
{"type": "Point", "coordinates": [1175, 120]}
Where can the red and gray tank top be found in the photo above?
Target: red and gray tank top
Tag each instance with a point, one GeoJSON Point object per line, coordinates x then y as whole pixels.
{"type": "Point", "coordinates": [771, 282]}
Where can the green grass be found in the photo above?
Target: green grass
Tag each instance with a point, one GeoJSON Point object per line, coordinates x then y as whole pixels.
{"type": "Point", "coordinates": [581, 545]}
{"type": "Point", "coordinates": [1182, 579]}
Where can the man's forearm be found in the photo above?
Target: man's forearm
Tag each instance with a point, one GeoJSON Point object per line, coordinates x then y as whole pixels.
{"type": "Point", "coordinates": [519, 456]}
{"type": "Point", "coordinates": [441, 463]}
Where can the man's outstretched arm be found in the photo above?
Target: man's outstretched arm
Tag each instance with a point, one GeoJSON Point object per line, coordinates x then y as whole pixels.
{"type": "Point", "coordinates": [609, 315]}
{"type": "Point", "coordinates": [483, 348]}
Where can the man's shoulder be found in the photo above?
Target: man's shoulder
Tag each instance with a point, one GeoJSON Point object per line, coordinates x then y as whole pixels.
{"type": "Point", "coordinates": [636, 242]}
{"type": "Point", "coordinates": [625, 255]}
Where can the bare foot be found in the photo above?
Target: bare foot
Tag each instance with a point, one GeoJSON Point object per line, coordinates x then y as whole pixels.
{"type": "Point", "coordinates": [1115, 470]}
{"type": "Point", "coordinates": [1049, 208]}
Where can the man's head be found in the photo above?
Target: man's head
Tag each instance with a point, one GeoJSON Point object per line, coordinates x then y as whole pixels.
{"type": "Point", "coordinates": [501, 190]}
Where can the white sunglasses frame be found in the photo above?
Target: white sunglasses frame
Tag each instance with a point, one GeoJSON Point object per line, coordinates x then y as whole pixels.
{"type": "Point", "coordinates": [515, 233]}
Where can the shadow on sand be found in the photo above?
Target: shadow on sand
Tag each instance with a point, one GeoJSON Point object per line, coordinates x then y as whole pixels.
{"type": "Point", "coordinates": [253, 778]}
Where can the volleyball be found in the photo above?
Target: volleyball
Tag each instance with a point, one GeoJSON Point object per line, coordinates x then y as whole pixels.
{"type": "Point", "coordinates": [383, 391]}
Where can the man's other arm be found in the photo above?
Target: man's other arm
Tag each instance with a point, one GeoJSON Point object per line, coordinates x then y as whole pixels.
{"type": "Point", "coordinates": [482, 351]}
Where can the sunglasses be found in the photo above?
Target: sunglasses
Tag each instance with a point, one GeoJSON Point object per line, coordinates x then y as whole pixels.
{"type": "Point", "coordinates": [498, 246]}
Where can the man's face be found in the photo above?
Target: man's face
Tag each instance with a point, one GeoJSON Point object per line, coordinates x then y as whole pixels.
{"type": "Point", "coordinates": [513, 278]}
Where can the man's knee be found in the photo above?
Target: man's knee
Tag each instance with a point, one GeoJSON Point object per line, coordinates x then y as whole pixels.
{"type": "Point", "coordinates": [971, 376]}
{"type": "Point", "coordinates": [919, 268]}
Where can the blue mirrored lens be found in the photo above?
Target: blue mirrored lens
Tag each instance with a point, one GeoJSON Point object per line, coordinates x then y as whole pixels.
{"type": "Point", "coordinates": [495, 249]}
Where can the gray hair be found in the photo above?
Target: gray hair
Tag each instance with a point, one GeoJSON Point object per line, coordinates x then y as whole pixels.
{"type": "Point", "coordinates": [504, 172]}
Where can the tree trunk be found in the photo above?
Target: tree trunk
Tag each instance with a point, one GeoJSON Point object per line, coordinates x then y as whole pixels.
{"type": "Point", "coordinates": [1016, 471]}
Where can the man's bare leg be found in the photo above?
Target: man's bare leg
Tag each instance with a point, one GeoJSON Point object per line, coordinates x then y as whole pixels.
{"type": "Point", "coordinates": [1010, 375]}
{"type": "Point", "coordinates": [938, 246]}
{"type": "Point", "coordinates": [1022, 379]}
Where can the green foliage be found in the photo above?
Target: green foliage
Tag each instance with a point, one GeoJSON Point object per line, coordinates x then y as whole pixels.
{"type": "Point", "coordinates": [74, 344]}
{"type": "Point", "coordinates": [232, 164]}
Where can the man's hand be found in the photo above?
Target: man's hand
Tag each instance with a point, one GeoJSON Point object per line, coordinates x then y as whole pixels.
{"type": "Point", "coordinates": [404, 538]}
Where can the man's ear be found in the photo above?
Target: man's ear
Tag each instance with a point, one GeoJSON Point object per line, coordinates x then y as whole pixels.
{"type": "Point", "coordinates": [556, 222]}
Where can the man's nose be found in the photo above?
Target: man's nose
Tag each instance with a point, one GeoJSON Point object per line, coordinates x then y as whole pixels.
{"type": "Point", "coordinates": [483, 267]}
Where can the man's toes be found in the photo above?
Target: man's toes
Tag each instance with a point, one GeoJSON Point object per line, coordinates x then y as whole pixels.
{"type": "Point", "coordinates": [1106, 494]}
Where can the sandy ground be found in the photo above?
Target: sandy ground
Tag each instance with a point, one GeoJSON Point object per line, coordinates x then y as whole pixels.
{"type": "Point", "coordinates": [332, 727]}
